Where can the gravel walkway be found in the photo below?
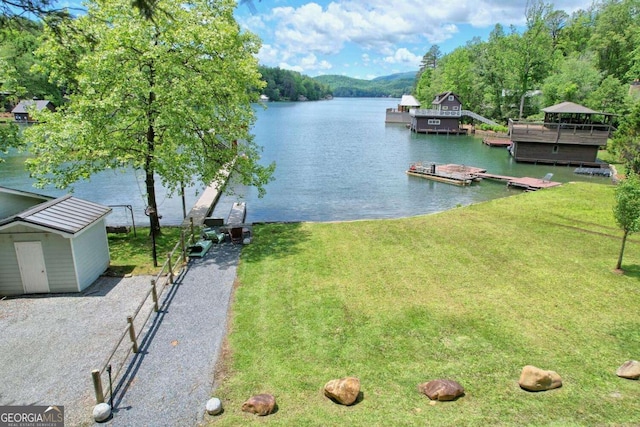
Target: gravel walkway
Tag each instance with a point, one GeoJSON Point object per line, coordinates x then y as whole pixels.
{"type": "Point", "coordinates": [172, 378]}
{"type": "Point", "coordinates": [49, 344]}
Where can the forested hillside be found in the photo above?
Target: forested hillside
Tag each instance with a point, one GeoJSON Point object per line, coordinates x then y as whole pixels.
{"type": "Point", "coordinates": [286, 85]}
{"type": "Point", "coordinates": [388, 86]}
{"type": "Point", "coordinates": [589, 57]}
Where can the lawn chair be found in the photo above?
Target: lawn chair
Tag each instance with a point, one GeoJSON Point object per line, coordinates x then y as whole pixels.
{"type": "Point", "coordinates": [547, 177]}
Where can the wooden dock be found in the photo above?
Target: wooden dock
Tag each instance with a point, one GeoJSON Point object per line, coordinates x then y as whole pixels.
{"type": "Point", "coordinates": [497, 142]}
{"type": "Point", "coordinates": [526, 182]}
{"type": "Point", "coordinates": [466, 175]}
{"type": "Point", "coordinates": [449, 173]}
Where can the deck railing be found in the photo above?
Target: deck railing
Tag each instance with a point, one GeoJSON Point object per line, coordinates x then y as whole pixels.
{"type": "Point", "coordinates": [135, 324]}
{"type": "Point", "coordinates": [434, 113]}
{"type": "Point", "coordinates": [553, 133]}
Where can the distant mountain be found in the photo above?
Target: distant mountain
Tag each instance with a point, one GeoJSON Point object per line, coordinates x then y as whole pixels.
{"type": "Point", "coordinates": [394, 85]}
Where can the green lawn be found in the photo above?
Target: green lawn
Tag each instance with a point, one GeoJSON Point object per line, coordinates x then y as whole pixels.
{"type": "Point", "coordinates": [134, 254]}
{"type": "Point", "coordinates": [472, 294]}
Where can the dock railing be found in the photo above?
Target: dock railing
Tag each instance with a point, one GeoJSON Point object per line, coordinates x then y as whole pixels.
{"type": "Point", "coordinates": [553, 132]}
{"type": "Point", "coordinates": [110, 372]}
{"type": "Point", "coordinates": [434, 113]}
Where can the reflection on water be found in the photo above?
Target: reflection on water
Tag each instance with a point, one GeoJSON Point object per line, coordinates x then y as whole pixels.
{"type": "Point", "coordinates": [335, 160]}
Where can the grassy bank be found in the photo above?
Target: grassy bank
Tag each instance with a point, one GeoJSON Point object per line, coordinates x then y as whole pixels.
{"type": "Point", "coordinates": [472, 294]}
{"type": "Point", "coordinates": [134, 254]}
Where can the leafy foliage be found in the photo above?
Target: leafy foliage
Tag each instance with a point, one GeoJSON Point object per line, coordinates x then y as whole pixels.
{"type": "Point", "coordinates": [627, 208]}
{"type": "Point", "coordinates": [286, 85]}
{"type": "Point", "coordinates": [171, 100]}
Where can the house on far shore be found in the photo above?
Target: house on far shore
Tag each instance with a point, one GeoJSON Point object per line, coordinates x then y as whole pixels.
{"type": "Point", "coordinates": [50, 245]}
{"type": "Point", "coordinates": [442, 118]}
{"type": "Point", "coordinates": [401, 114]}
{"type": "Point", "coordinates": [570, 134]}
{"type": "Point", "coordinates": [21, 111]}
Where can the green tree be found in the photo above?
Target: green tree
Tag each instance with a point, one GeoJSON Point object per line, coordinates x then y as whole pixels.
{"type": "Point", "coordinates": [18, 64]}
{"type": "Point", "coordinates": [531, 53]}
{"type": "Point", "coordinates": [576, 78]}
{"type": "Point", "coordinates": [614, 36]}
{"type": "Point", "coordinates": [627, 209]}
{"type": "Point", "coordinates": [626, 140]}
{"type": "Point", "coordinates": [169, 96]}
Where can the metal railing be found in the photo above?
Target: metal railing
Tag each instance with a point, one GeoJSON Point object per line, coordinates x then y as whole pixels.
{"type": "Point", "coordinates": [136, 323]}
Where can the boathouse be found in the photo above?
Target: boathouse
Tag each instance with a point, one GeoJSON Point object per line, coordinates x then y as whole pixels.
{"type": "Point", "coordinates": [443, 116]}
{"type": "Point", "coordinates": [22, 110]}
{"type": "Point", "coordinates": [50, 245]}
{"type": "Point", "coordinates": [570, 134]}
{"type": "Point", "coordinates": [401, 114]}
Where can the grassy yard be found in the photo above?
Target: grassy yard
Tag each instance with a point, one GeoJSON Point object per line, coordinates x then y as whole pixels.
{"type": "Point", "coordinates": [472, 294]}
{"type": "Point", "coordinates": [134, 254]}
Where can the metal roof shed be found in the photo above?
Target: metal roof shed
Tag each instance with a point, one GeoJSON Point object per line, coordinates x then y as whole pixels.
{"type": "Point", "coordinates": [59, 245]}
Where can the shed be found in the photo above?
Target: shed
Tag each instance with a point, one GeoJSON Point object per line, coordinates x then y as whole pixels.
{"type": "Point", "coordinates": [50, 245]}
{"type": "Point", "coordinates": [21, 111]}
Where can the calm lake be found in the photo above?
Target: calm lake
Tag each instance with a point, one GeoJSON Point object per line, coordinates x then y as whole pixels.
{"type": "Point", "coordinates": [335, 160]}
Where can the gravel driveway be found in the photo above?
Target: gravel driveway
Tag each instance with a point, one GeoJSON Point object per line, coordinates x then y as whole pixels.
{"type": "Point", "coordinates": [49, 344]}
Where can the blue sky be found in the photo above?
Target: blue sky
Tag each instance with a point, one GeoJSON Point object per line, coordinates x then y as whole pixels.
{"type": "Point", "coordinates": [367, 39]}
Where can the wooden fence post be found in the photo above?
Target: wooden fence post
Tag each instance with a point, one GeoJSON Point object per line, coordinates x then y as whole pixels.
{"type": "Point", "coordinates": [154, 295]}
{"type": "Point", "coordinates": [132, 334]}
{"type": "Point", "coordinates": [193, 233]}
{"type": "Point", "coordinates": [183, 248]}
{"type": "Point", "coordinates": [97, 386]}
{"type": "Point", "coordinates": [170, 268]}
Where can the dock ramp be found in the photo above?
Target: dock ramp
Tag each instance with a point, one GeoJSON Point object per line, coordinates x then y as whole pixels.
{"type": "Point", "coordinates": [479, 117]}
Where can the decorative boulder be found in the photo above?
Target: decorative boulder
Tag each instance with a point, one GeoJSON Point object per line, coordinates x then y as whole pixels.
{"type": "Point", "coordinates": [101, 412]}
{"type": "Point", "coordinates": [343, 390]}
{"type": "Point", "coordinates": [630, 370]}
{"type": "Point", "coordinates": [260, 404]}
{"type": "Point", "coordinates": [441, 390]}
{"type": "Point", "coordinates": [214, 406]}
{"type": "Point", "coordinates": [536, 379]}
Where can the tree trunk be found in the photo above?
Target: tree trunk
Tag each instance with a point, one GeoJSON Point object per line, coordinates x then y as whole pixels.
{"type": "Point", "coordinates": [624, 240]}
{"type": "Point", "coordinates": [522, 105]}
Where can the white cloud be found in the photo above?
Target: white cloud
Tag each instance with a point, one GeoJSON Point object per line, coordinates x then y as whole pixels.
{"type": "Point", "coordinates": [404, 56]}
{"type": "Point", "coordinates": [385, 32]}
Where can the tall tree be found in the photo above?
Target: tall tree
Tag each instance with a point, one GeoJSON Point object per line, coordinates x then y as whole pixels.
{"type": "Point", "coordinates": [626, 140]}
{"type": "Point", "coordinates": [614, 37]}
{"type": "Point", "coordinates": [576, 78]}
{"type": "Point", "coordinates": [169, 96]}
{"type": "Point", "coordinates": [532, 54]}
{"type": "Point", "coordinates": [627, 209]}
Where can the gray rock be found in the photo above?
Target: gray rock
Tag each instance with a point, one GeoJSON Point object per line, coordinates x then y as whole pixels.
{"type": "Point", "coordinates": [214, 406]}
{"type": "Point", "coordinates": [630, 370]}
{"type": "Point", "coordinates": [101, 412]}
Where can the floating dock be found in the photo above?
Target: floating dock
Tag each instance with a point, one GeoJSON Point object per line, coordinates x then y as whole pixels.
{"type": "Point", "coordinates": [497, 142]}
{"type": "Point", "coordinates": [466, 175]}
{"type": "Point", "coordinates": [449, 173]}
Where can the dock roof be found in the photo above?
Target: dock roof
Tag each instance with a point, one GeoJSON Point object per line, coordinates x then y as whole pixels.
{"type": "Point", "coordinates": [570, 108]}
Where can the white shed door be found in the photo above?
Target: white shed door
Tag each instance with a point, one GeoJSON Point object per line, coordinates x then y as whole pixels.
{"type": "Point", "coordinates": [32, 267]}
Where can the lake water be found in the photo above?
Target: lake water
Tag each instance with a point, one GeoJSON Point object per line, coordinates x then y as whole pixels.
{"type": "Point", "coordinates": [335, 160]}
